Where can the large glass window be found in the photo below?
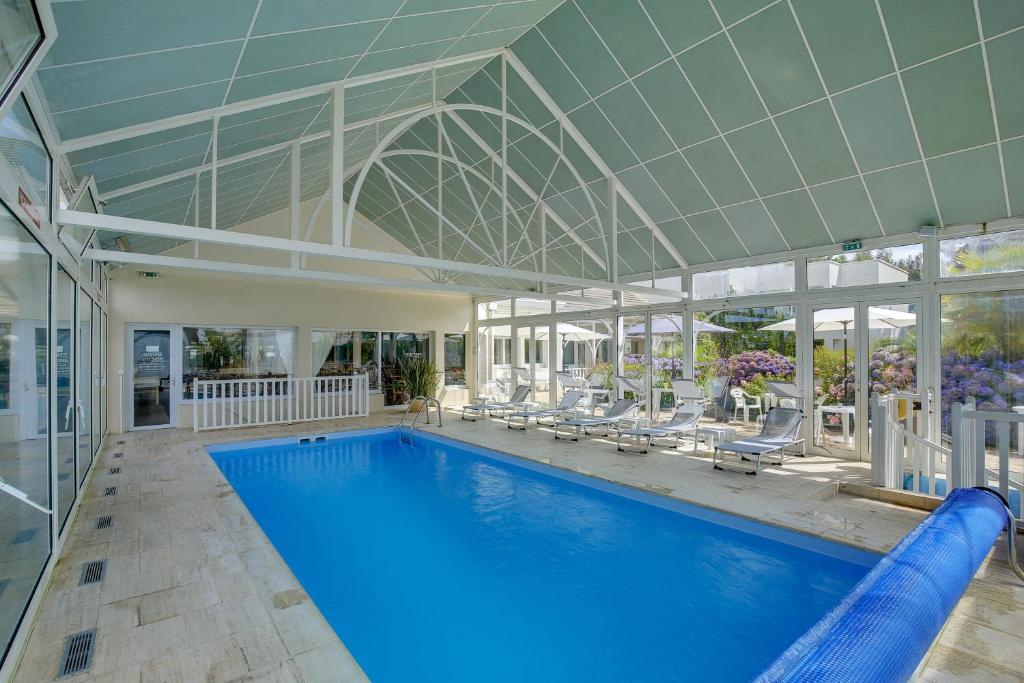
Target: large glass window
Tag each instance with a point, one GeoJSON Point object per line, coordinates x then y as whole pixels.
{"type": "Point", "coordinates": [66, 484]}
{"type": "Point", "coordinates": [765, 279]}
{"type": "Point", "coordinates": [395, 346]}
{"type": "Point", "coordinates": [24, 459]}
{"type": "Point", "coordinates": [337, 352]}
{"type": "Point", "coordinates": [20, 35]}
{"type": "Point", "coordinates": [26, 163]}
{"type": "Point", "coordinates": [211, 353]}
{"type": "Point", "coordinates": [867, 267]}
{"type": "Point", "coordinates": [455, 359]}
{"type": "Point", "coordinates": [97, 435]}
{"type": "Point", "coordinates": [1001, 252]}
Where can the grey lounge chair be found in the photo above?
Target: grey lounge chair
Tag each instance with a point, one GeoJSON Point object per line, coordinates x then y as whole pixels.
{"type": "Point", "coordinates": [781, 429]}
{"type": "Point", "coordinates": [517, 400]}
{"type": "Point", "coordinates": [685, 421]}
{"type": "Point", "coordinates": [568, 403]}
{"type": "Point", "coordinates": [621, 409]}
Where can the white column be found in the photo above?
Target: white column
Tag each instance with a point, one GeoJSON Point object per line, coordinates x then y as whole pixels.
{"type": "Point", "coordinates": [340, 234]}
{"type": "Point", "coordinates": [296, 196]}
{"type": "Point", "coordinates": [213, 174]}
{"type": "Point", "coordinates": [554, 362]}
{"type": "Point", "coordinates": [613, 217]}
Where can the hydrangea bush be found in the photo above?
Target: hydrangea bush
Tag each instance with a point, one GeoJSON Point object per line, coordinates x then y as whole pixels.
{"type": "Point", "coordinates": [992, 381]}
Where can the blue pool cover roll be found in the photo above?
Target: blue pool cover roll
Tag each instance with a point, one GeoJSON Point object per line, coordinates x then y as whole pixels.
{"type": "Point", "coordinates": [883, 628]}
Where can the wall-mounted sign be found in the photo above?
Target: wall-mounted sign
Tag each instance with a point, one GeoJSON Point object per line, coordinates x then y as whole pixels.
{"type": "Point", "coordinates": [853, 246]}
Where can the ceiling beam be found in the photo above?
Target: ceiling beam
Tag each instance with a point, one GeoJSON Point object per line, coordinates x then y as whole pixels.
{"type": "Point", "coordinates": [244, 240]}
{"type": "Point", "coordinates": [423, 286]}
{"type": "Point", "coordinates": [127, 132]}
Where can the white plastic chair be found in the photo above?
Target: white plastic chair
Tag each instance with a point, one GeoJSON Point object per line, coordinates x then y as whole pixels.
{"type": "Point", "coordinates": [745, 402]}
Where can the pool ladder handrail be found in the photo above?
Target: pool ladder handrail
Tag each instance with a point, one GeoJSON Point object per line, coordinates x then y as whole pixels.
{"type": "Point", "coordinates": [1011, 532]}
{"type": "Point", "coordinates": [426, 403]}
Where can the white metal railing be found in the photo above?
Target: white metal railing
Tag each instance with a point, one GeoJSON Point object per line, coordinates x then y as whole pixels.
{"type": "Point", "coordinates": [973, 465]}
{"type": "Point", "coordinates": [902, 441]}
{"type": "Point", "coordinates": [219, 404]}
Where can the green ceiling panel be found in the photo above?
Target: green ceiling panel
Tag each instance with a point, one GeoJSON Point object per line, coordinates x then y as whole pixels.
{"type": "Point", "coordinates": [732, 11]}
{"type": "Point", "coordinates": [813, 136]}
{"type": "Point", "coordinates": [97, 36]}
{"type": "Point", "coordinates": [627, 32]}
{"type": "Point", "coordinates": [762, 154]}
{"type": "Point", "coordinates": [923, 29]}
{"type": "Point", "coordinates": [639, 182]}
{"type": "Point", "coordinates": [796, 217]}
{"type": "Point", "coordinates": [716, 233]}
{"type": "Point", "coordinates": [634, 257]}
{"type": "Point", "coordinates": [877, 125]}
{"type": "Point", "coordinates": [292, 15]}
{"type": "Point", "coordinates": [902, 198]}
{"type": "Point", "coordinates": [847, 210]}
{"type": "Point", "coordinates": [426, 28]}
{"type": "Point", "coordinates": [675, 104]}
{"type": "Point", "coordinates": [719, 79]}
{"type": "Point", "coordinates": [634, 122]}
{"type": "Point", "coordinates": [682, 237]}
{"type": "Point", "coordinates": [549, 71]}
{"type": "Point", "coordinates": [998, 16]}
{"type": "Point", "coordinates": [1006, 65]}
{"type": "Point", "coordinates": [119, 114]}
{"type": "Point", "coordinates": [682, 23]}
{"type": "Point", "coordinates": [400, 57]}
{"type": "Point", "coordinates": [602, 136]}
{"type": "Point", "coordinates": [754, 226]}
{"type": "Point", "coordinates": [515, 14]}
{"type": "Point", "coordinates": [260, 85]}
{"type": "Point", "coordinates": [85, 85]}
{"type": "Point", "coordinates": [969, 186]}
{"type": "Point", "coordinates": [577, 44]}
{"type": "Point", "coordinates": [286, 50]}
{"type": "Point", "coordinates": [680, 184]}
{"type": "Point", "coordinates": [721, 175]}
{"type": "Point", "coordinates": [427, 6]}
{"type": "Point", "coordinates": [112, 170]}
{"type": "Point", "coordinates": [950, 104]}
{"type": "Point", "coordinates": [847, 39]}
{"type": "Point", "coordinates": [1013, 158]}
{"type": "Point", "coordinates": [777, 59]}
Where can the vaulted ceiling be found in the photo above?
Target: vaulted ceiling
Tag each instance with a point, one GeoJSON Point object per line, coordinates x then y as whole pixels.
{"type": "Point", "coordinates": [741, 127]}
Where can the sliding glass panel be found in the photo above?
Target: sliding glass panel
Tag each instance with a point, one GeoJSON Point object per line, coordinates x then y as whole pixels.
{"type": "Point", "coordinates": [741, 351]}
{"type": "Point", "coordinates": [66, 484]}
{"type": "Point", "coordinates": [20, 35]}
{"type": "Point", "coordinates": [97, 435]}
{"type": "Point", "coordinates": [84, 384]}
{"type": "Point", "coordinates": [24, 413]}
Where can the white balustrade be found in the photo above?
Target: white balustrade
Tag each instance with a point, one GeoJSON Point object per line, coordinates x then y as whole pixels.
{"type": "Point", "coordinates": [219, 404]}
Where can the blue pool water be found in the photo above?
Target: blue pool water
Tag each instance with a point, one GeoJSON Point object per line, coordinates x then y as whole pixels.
{"type": "Point", "coordinates": [447, 562]}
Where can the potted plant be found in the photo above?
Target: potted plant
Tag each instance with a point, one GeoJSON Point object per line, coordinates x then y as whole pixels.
{"type": "Point", "coordinates": [420, 378]}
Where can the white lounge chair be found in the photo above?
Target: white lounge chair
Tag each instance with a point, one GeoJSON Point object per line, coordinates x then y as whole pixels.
{"type": "Point", "coordinates": [567, 404]}
{"type": "Point", "coordinates": [621, 409]}
{"type": "Point", "coordinates": [685, 421]}
{"type": "Point", "coordinates": [632, 385]}
{"type": "Point", "coordinates": [781, 430]}
{"type": "Point", "coordinates": [517, 401]}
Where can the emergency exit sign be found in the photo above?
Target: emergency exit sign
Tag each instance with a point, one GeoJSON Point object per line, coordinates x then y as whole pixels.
{"type": "Point", "coordinates": [852, 246]}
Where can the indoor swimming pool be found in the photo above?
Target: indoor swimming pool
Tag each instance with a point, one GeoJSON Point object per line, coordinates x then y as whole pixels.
{"type": "Point", "coordinates": [443, 561]}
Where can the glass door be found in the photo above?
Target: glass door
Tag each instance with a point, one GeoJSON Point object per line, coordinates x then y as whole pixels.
{"type": "Point", "coordinates": [154, 372]}
{"type": "Point", "coordinates": [66, 288]}
{"type": "Point", "coordinates": [860, 350]}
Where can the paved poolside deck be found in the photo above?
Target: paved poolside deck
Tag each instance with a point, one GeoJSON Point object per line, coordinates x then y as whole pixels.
{"type": "Point", "coordinates": [194, 591]}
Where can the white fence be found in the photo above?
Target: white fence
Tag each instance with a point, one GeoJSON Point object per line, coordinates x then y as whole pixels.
{"type": "Point", "coordinates": [902, 443]}
{"type": "Point", "coordinates": [218, 404]}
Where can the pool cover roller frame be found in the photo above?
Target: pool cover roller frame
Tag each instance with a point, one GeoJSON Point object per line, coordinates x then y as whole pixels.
{"type": "Point", "coordinates": [883, 628]}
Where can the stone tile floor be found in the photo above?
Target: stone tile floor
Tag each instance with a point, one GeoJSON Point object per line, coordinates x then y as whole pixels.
{"type": "Point", "coordinates": [193, 591]}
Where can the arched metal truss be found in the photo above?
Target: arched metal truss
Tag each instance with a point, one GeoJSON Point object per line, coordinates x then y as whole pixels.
{"type": "Point", "coordinates": [499, 257]}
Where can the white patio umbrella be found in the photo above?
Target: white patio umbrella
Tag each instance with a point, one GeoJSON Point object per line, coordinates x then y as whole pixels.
{"type": "Point", "coordinates": [671, 324]}
{"type": "Point", "coordinates": [567, 331]}
{"type": "Point", "coordinates": [842, 320]}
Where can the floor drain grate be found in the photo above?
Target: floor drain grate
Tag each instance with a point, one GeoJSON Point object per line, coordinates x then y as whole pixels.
{"type": "Point", "coordinates": [118, 454]}
{"type": "Point", "coordinates": [115, 470]}
{"type": "Point", "coordinates": [24, 536]}
{"type": "Point", "coordinates": [92, 572]}
{"type": "Point", "coordinates": [120, 443]}
{"type": "Point", "coordinates": [77, 657]}
{"type": "Point", "coordinates": [110, 491]}
{"type": "Point", "coordinates": [104, 522]}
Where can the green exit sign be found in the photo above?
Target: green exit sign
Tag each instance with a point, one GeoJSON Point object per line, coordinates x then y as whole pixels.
{"type": "Point", "coordinates": [852, 246]}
